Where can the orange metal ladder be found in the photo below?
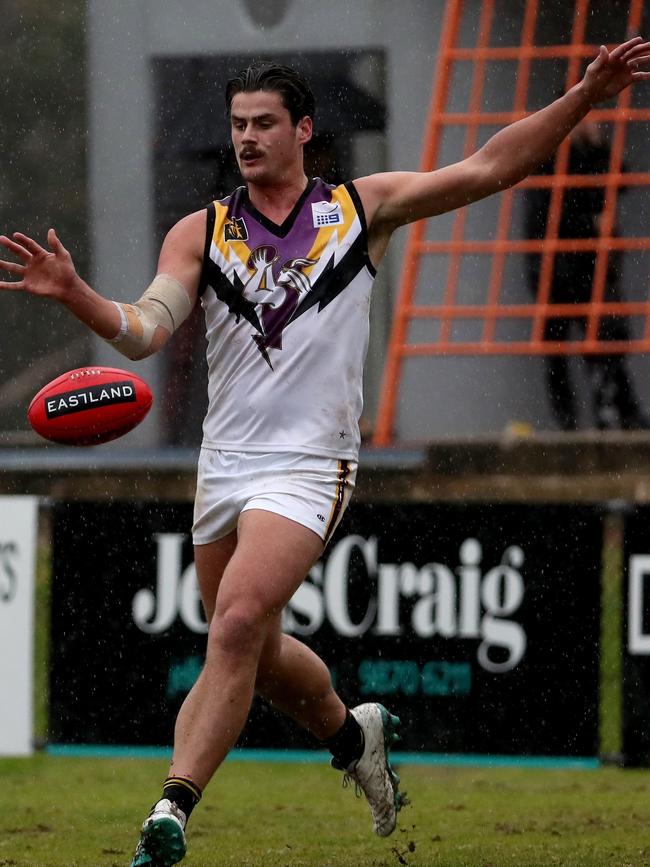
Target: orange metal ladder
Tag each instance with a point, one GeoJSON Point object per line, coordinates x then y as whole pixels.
{"type": "Point", "coordinates": [494, 310]}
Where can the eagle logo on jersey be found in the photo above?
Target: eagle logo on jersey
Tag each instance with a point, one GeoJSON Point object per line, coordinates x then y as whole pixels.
{"type": "Point", "coordinates": [271, 292]}
{"type": "Point", "coordinates": [276, 297]}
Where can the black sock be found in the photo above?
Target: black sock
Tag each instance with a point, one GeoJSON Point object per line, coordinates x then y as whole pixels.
{"type": "Point", "coordinates": [182, 792]}
{"type": "Point", "coordinates": [346, 746]}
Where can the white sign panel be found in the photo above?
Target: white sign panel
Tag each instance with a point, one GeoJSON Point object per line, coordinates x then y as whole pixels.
{"type": "Point", "coordinates": [18, 521]}
{"type": "Point", "coordinates": [638, 641]}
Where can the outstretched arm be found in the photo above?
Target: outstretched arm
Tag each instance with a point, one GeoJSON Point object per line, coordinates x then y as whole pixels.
{"type": "Point", "coordinates": [50, 273]}
{"type": "Point", "coordinates": [395, 198]}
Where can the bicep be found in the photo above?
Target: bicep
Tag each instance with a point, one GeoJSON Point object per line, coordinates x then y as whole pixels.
{"type": "Point", "coordinates": [398, 198]}
{"type": "Point", "coordinates": [181, 255]}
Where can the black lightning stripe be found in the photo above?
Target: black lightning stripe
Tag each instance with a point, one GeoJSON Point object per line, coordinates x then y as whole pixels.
{"type": "Point", "coordinates": [333, 280]}
{"type": "Point", "coordinates": [232, 294]}
{"type": "Point", "coordinates": [261, 345]}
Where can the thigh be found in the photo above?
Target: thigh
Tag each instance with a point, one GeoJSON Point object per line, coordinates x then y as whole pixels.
{"type": "Point", "coordinates": [211, 561]}
{"type": "Point", "coordinates": [271, 559]}
{"type": "Point", "coordinates": [263, 518]}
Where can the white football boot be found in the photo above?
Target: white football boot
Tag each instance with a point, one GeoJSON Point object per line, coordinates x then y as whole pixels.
{"type": "Point", "coordinates": [162, 838]}
{"type": "Point", "coordinates": [372, 773]}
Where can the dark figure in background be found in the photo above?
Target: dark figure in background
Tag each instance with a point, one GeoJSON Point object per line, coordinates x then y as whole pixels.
{"type": "Point", "coordinates": [615, 404]}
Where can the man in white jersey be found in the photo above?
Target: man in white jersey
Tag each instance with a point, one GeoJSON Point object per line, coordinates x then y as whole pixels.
{"type": "Point", "coordinates": [283, 268]}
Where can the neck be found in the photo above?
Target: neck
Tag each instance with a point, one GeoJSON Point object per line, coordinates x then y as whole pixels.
{"type": "Point", "coordinates": [276, 200]}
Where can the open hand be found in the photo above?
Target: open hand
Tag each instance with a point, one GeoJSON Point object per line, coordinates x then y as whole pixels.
{"type": "Point", "coordinates": [48, 273]}
{"type": "Point", "coordinates": [613, 71]}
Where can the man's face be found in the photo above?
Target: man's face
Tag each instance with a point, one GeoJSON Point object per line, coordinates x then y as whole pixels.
{"type": "Point", "coordinates": [267, 145]}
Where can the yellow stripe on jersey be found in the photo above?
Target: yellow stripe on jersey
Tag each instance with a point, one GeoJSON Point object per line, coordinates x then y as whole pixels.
{"type": "Point", "coordinates": [232, 248]}
{"type": "Point", "coordinates": [341, 196]}
{"type": "Point", "coordinates": [227, 248]}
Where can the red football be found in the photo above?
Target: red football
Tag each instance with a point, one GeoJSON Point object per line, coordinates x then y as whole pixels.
{"type": "Point", "coordinates": [90, 405]}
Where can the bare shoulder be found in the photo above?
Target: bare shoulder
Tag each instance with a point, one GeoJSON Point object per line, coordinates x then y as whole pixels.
{"type": "Point", "coordinates": [392, 199]}
{"type": "Point", "coordinates": [190, 229]}
{"type": "Point", "coordinates": [376, 193]}
{"type": "Point", "coordinates": [375, 190]}
{"type": "Point", "coordinates": [182, 251]}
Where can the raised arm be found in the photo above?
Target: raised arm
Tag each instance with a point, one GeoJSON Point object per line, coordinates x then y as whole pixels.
{"type": "Point", "coordinates": [395, 198]}
{"type": "Point", "coordinates": [137, 330]}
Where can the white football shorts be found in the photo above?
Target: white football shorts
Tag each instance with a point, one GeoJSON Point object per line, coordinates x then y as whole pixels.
{"type": "Point", "coordinates": [313, 491]}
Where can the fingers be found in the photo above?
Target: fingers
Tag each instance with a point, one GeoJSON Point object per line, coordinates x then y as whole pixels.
{"type": "Point", "coordinates": [600, 61]}
{"type": "Point", "coordinates": [621, 49]}
{"type": "Point", "coordinates": [11, 267]}
{"type": "Point", "coordinates": [17, 284]}
{"type": "Point", "coordinates": [639, 54]}
{"type": "Point", "coordinates": [630, 60]}
{"type": "Point", "coordinates": [25, 247]}
{"type": "Point", "coordinates": [639, 61]}
{"type": "Point", "coordinates": [55, 245]}
{"type": "Point", "coordinates": [13, 247]}
{"type": "Point", "coordinates": [636, 59]}
{"type": "Point", "coordinates": [640, 48]}
{"type": "Point", "coordinates": [29, 244]}
{"type": "Point", "coordinates": [629, 51]}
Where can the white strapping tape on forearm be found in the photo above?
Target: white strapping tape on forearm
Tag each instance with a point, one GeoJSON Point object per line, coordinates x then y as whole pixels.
{"type": "Point", "coordinates": [165, 303]}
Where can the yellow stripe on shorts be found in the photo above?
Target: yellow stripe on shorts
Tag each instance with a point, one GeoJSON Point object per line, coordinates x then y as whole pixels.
{"type": "Point", "coordinates": [339, 497]}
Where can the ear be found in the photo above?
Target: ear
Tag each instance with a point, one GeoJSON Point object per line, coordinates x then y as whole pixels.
{"type": "Point", "coordinates": [305, 129]}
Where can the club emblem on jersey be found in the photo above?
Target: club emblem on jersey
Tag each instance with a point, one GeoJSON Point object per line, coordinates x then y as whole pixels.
{"type": "Point", "coordinates": [235, 230]}
{"type": "Point", "coordinates": [277, 297]}
{"type": "Point", "coordinates": [326, 214]}
{"type": "Point", "coordinates": [271, 290]}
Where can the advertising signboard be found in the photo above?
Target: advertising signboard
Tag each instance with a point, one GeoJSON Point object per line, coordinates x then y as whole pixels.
{"type": "Point", "coordinates": [477, 624]}
{"type": "Point", "coordinates": [18, 525]}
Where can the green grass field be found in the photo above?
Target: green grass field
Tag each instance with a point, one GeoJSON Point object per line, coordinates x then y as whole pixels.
{"type": "Point", "coordinates": [64, 812]}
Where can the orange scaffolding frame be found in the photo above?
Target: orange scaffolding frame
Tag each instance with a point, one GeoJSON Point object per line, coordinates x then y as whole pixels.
{"type": "Point", "coordinates": [493, 311]}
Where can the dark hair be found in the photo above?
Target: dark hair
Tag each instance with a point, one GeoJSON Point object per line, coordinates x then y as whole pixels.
{"type": "Point", "coordinates": [297, 96]}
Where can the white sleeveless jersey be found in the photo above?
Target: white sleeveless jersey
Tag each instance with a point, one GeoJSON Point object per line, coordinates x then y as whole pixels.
{"type": "Point", "coordinates": [286, 311]}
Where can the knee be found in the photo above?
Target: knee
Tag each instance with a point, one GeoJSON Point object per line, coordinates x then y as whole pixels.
{"type": "Point", "coordinates": [239, 629]}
